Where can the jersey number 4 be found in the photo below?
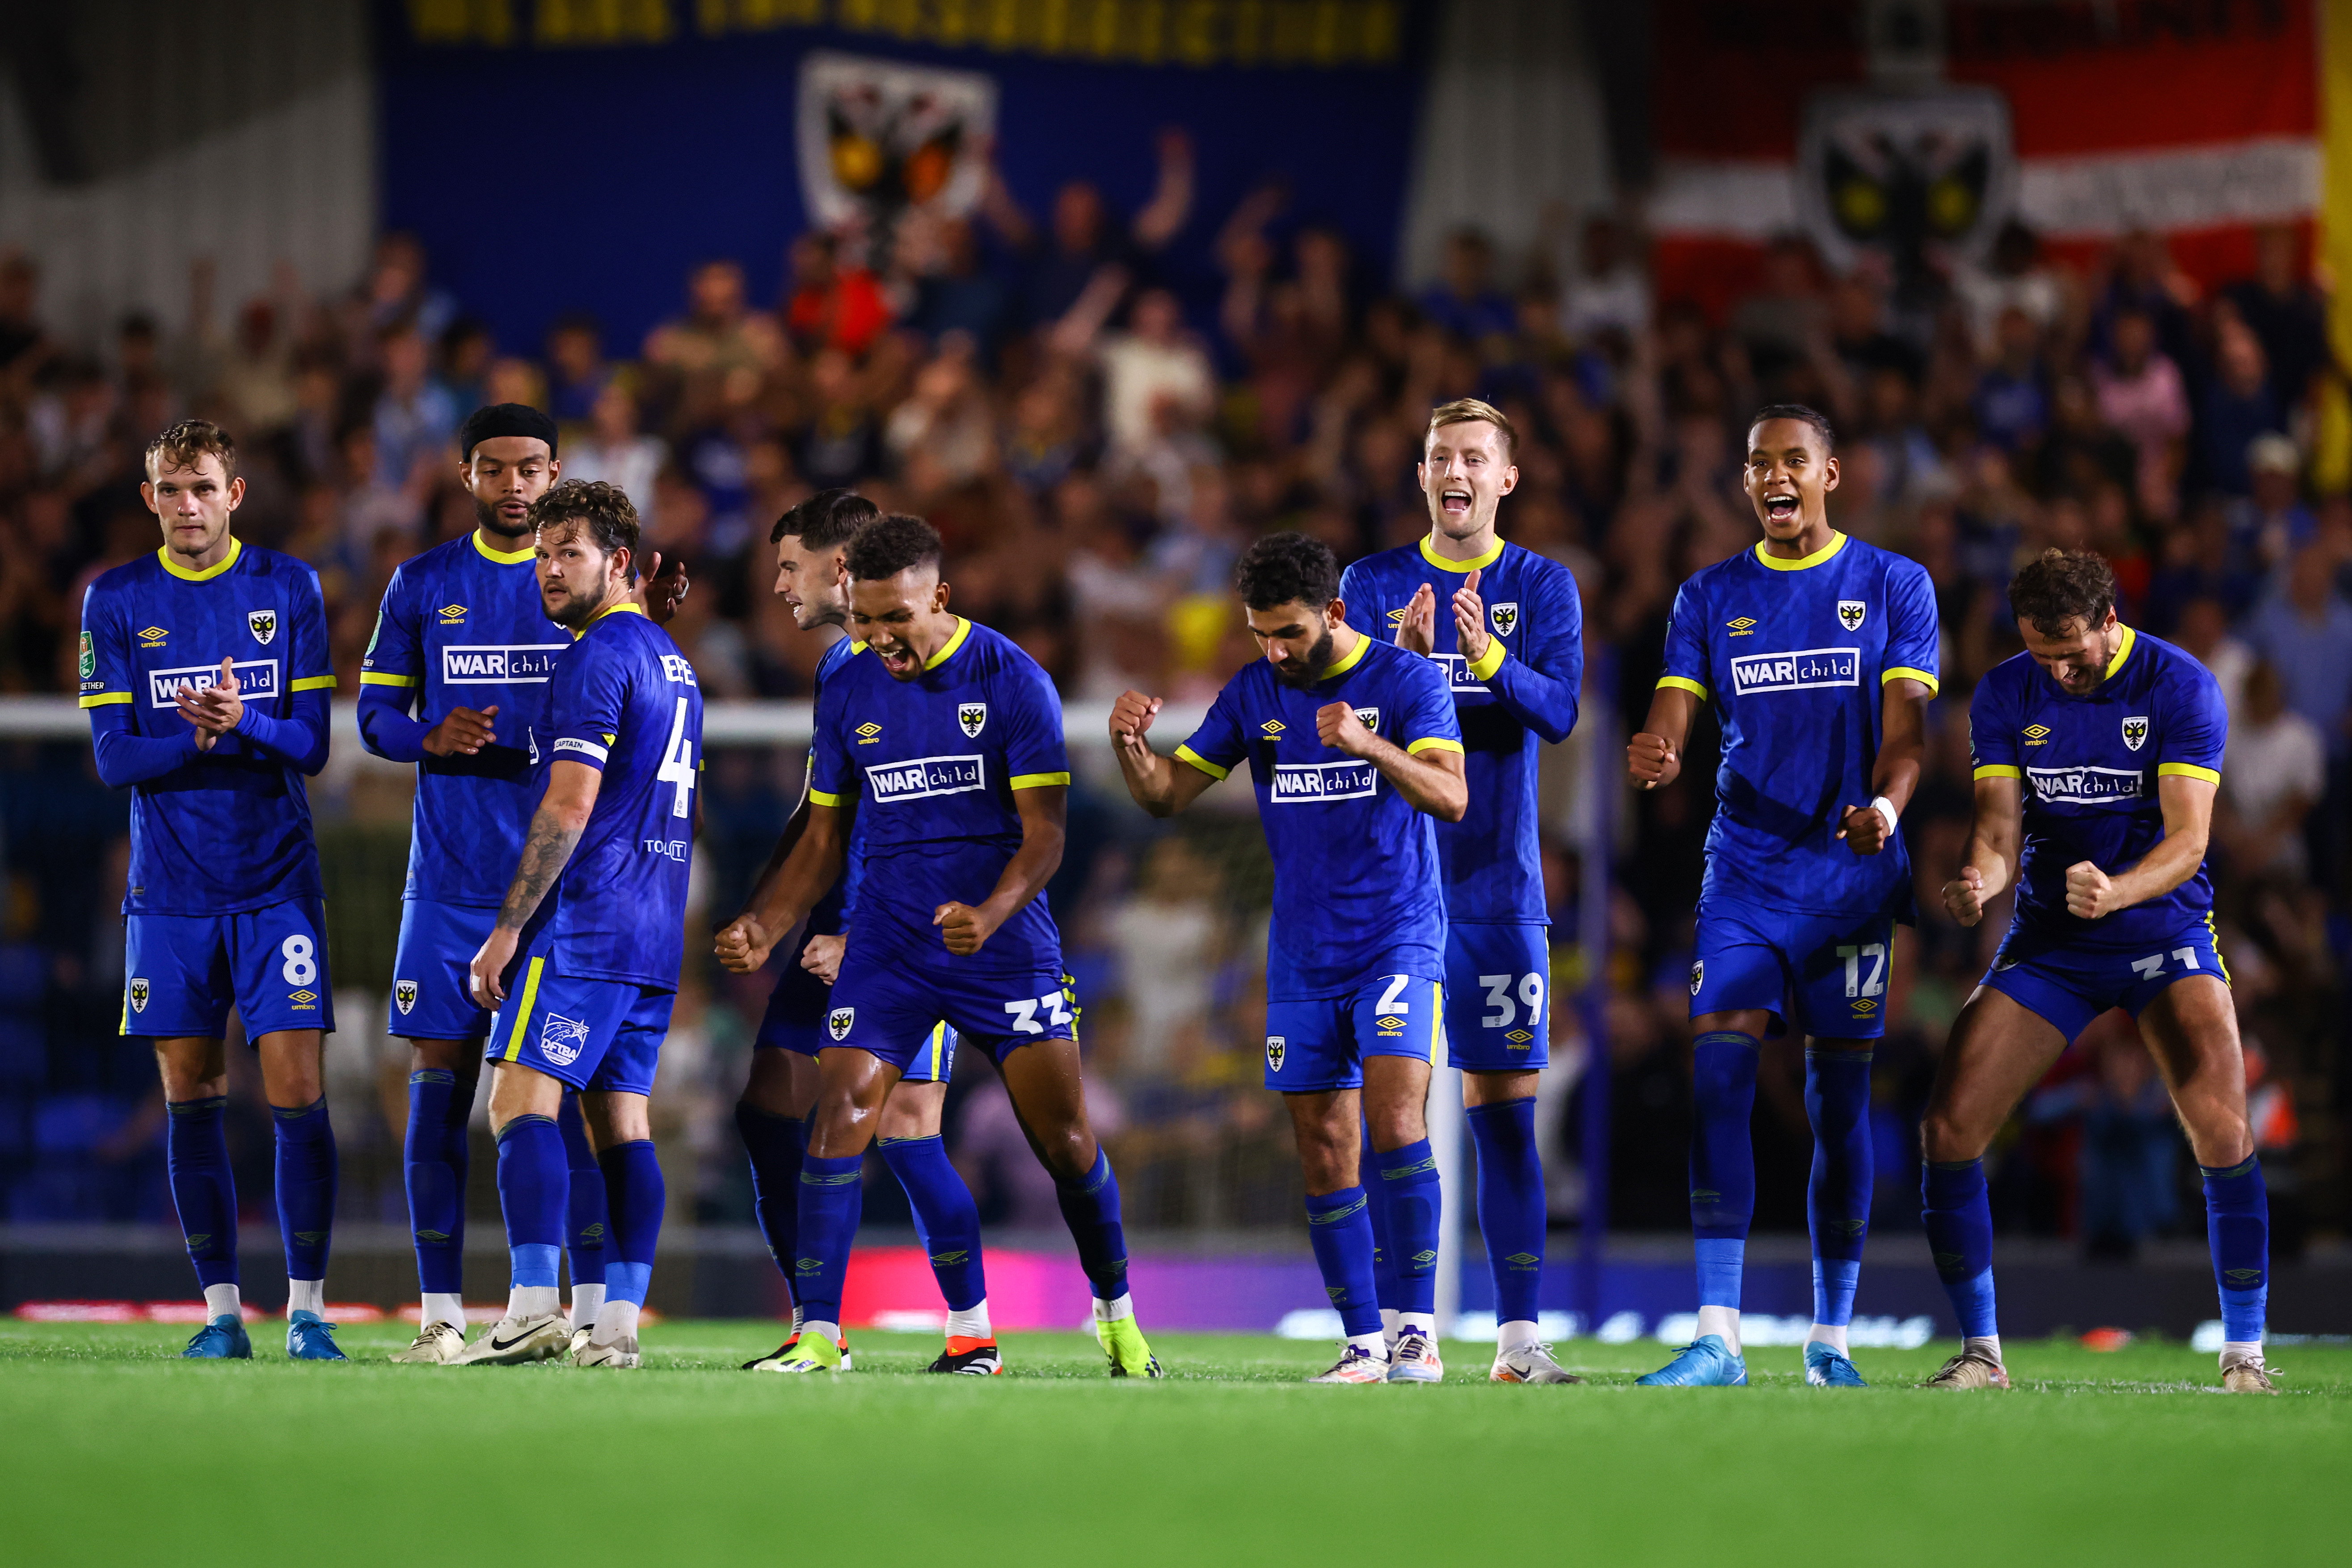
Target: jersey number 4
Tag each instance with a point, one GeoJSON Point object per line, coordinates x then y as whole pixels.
{"type": "Point", "coordinates": [677, 763]}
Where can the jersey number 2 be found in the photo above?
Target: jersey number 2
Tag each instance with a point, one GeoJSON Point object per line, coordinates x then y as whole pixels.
{"type": "Point", "coordinates": [677, 763]}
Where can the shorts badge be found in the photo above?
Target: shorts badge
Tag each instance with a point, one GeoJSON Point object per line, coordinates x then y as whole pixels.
{"type": "Point", "coordinates": [837, 1022]}
{"type": "Point", "coordinates": [139, 996]}
{"type": "Point", "coordinates": [1277, 1048]}
{"type": "Point", "coordinates": [1505, 617]}
{"type": "Point", "coordinates": [2135, 731]}
{"type": "Point", "coordinates": [1698, 974]}
{"type": "Point", "coordinates": [264, 624]}
{"type": "Point", "coordinates": [404, 996]}
{"type": "Point", "coordinates": [562, 1039]}
{"type": "Point", "coordinates": [1851, 613]}
{"type": "Point", "coordinates": [973, 717]}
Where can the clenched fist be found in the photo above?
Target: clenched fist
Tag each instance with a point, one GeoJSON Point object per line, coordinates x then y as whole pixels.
{"type": "Point", "coordinates": [1337, 726]}
{"type": "Point", "coordinates": [1964, 896]}
{"type": "Point", "coordinates": [1653, 760]}
{"type": "Point", "coordinates": [2089, 893]}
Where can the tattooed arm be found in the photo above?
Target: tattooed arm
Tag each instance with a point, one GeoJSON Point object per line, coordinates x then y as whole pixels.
{"type": "Point", "coordinates": [555, 830]}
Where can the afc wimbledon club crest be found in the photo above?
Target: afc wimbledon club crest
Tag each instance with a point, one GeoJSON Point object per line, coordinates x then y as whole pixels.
{"type": "Point", "coordinates": [878, 137]}
{"type": "Point", "coordinates": [1505, 617]}
{"type": "Point", "coordinates": [264, 624]}
{"type": "Point", "coordinates": [837, 1022]}
{"type": "Point", "coordinates": [1277, 1048]}
{"type": "Point", "coordinates": [404, 996]}
{"type": "Point", "coordinates": [1369, 718]}
{"type": "Point", "coordinates": [1850, 614]}
{"type": "Point", "coordinates": [1919, 175]}
{"type": "Point", "coordinates": [1698, 975]}
{"type": "Point", "coordinates": [139, 996]}
{"type": "Point", "coordinates": [973, 717]}
{"type": "Point", "coordinates": [2135, 731]}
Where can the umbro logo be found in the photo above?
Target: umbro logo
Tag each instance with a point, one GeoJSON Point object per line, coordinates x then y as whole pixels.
{"type": "Point", "coordinates": [1396, 616]}
{"type": "Point", "coordinates": [152, 637]}
{"type": "Point", "coordinates": [1742, 626]}
{"type": "Point", "coordinates": [1271, 727]}
{"type": "Point", "coordinates": [1391, 1025]}
{"type": "Point", "coordinates": [2036, 734]}
{"type": "Point", "coordinates": [868, 732]}
{"type": "Point", "coordinates": [451, 613]}
{"type": "Point", "coordinates": [1519, 1036]}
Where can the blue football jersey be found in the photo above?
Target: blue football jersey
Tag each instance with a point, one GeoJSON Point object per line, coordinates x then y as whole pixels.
{"type": "Point", "coordinates": [1793, 655]}
{"type": "Point", "coordinates": [2089, 767]}
{"type": "Point", "coordinates": [463, 626]}
{"type": "Point", "coordinates": [1520, 694]}
{"type": "Point", "coordinates": [626, 703]}
{"type": "Point", "coordinates": [1356, 890]}
{"type": "Point", "coordinates": [931, 765]}
{"type": "Point", "coordinates": [831, 915]}
{"type": "Point", "coordinates": [227, 829]}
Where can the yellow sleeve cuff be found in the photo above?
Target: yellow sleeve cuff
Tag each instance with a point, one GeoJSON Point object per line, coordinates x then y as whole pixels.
{"type": "Point", "coordinates": [1434, 744]}
{"type": "Point", "coordinates": [2188, 771]}
{"type": "Point", "coordinates": [1903, 672]}
{"type": "Point", "coordinates": [1681, 684]}
{"type": "Point", "coordinates": [1038, 781]}
{"type": "Point", "coordinates": [1998, 770]}
{"type": "Point", "coordinates": [314, 683]}
{"type": "Point", "coordinates": [1484, 666]}
{"type": "Point", "coordinates": [100, 699]}
{"type": "Point", "coordinates": [1187, 755]}
{"type": "Point", "coordinates": [373, 678]}
{"type": "Point", "coordinates": [820, 797]}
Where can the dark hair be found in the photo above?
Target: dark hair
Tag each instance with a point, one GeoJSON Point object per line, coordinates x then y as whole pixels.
{"type": "Point", "coordinates": [496, 419]}
{"type": "Point", "coordinates": [604, 510]}
{"type": "Point", "coordinates": [826, 519]}
{"type": "Point", "coordinates": [889, 545]}
{"type": "Point", "coordinates": [2060, 587]}
{"type": "Point", "coordinates": [183, 444]}
{"type": "Point", "coordinates": [1802, 416]}
{"type": "Point", "coordinates": [1288, 568]}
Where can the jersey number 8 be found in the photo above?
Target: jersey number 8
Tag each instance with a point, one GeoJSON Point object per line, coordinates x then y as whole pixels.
{"type": "Point", "coordinates": [301, 965]}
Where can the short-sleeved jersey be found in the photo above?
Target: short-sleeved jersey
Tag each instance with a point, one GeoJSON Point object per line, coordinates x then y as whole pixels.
{"type": "Point", "coordinates": [463, 626]}
{"type": "Point", "coordinates": [229, 830]}
{"type": "Point", "coordinates": [625, 702]}
{"type": "Point", "coordinates": [1522, 692]}
{"type": "Point", "coordinates": [2089, 767]}
{"type": "Point", "coordinates": [931, 765]}
{"type": "Point", "coordinates": [1356, 889]}
{"type": "Point", "coordinates": [1793, 654]}
{"type": "Point", "coordinates": [831, 915]}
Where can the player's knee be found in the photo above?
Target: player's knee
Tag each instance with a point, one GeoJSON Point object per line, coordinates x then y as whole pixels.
{"type": "Point", "coordinates": [1068, 1151]}
{"type": "Point", "coordinates": [1943, 1138]}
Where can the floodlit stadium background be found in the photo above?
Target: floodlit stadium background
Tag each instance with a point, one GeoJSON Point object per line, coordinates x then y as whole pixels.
{"type": "Point", "coordinates": [1105, 289]}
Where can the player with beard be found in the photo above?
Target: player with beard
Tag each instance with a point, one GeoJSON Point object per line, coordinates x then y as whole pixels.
{"type": "Point", "coordinates": [464, 643]}
{"type": "Point", "coordinates": [1356, 753]}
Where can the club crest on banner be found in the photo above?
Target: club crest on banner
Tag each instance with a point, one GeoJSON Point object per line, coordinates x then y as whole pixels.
{"type": "Point", "coordinates": [1918, 175]}
{"type": "Point", "coordinates": [878, 137]}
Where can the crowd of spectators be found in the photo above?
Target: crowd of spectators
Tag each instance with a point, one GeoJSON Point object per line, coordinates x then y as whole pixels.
{"type": "Point", "coordinates": [1098, 438]}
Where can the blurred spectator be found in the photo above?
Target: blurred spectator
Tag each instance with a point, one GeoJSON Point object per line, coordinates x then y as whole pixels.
{"type": "Point", "coordinates": [2304, 631]}
{"type": "Point", "coordinates": [719, 333]}
{"type": "Point", "coordinates": [2011, 279]}
{"type": "Point", "coordinates": [577, 373]}
{"type": "Point", "coordinates": [2273, 523]}
{"type": "Point", "coordinates": [2204, 632]}
{"type": "Point", "coordinates": [2276, 772]}
{"type": "Point", "coordinates": [1157, 379]}
{"type": "Point", "coordinates": [830, 303]}
{"type": "Point", "coordinates": [1606, 290]}
{"type": "Point", "coordinates": [1464, 300]}
{"type": "Point", "coordinates": [615, 450]}
{"type": "Point", "coordinates": [2141, 394]}
{"type": "Point", "coordinates": [1085, 237]}
{"type": "Point", "coordinates": [24, 349]}
{"type": "Point", "coordinates": [415, 416]}
{"type": "Point", "coordinates": [2287, 315]}
{"type": "Point", "coordinates": [2239, 407]}
{"type": "Point", "coordinates": [2013, 397]}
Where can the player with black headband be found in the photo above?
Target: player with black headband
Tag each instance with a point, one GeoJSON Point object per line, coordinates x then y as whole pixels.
{"type": "Point", "coordinates": [456, 682]}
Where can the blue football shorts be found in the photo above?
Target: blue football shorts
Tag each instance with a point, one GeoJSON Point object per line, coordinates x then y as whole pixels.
{"type": "Point", "coordinates": [1825, 974]}
{"type": "Point", "coordinates": [601, 1034]}
{"type": "Point", "coordinates": [911, 1014]}
{"type": "Point", "coordinates": [181, 973]}
{"type": "Point", "coordinates": [432, 996]}
{"type": "Point", "coordinates": [1320, 1043]}
{"type": "Point", "coordinates": [795, 1021]}
{"type": "Point", "coordinates": [1497, 997]}
{"type": "Point", "coordinates": [2070, 984]}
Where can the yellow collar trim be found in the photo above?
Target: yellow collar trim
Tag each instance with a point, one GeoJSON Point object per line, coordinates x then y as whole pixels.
{"type": "Point", "coordinates": [1353, 656]}
{"type": "Point", "coordinates": [503, 557]}
{"type": "Point", "coordinates": [1465, 567]}
{"type": "Point", "coordinates": [625, 608]}
{"type": "Point", "coordinates": [1836, 544]}
{"type": "Point", "coordinates": [2122, 652]}
{"type": "Point", "coordinates": [186, 574]}
{"type": "Point", "coordinates": [964, 630]}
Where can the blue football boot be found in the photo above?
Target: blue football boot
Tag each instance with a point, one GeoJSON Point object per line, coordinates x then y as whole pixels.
{"type": "Point", "coordinates": [310, 1337]}
{"type": "Point", "coordinates": [223, 1339]}
{"type": "Point", "coordinates": [1827, 1367]}
{"type": "Point", "coordinates": [1705, 1362]}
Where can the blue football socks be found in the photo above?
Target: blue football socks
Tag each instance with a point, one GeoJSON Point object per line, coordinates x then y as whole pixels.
{"type": "Point", "coordinates": [634, 1187]}
{"type": "Point", "coordinates": [1958, 1217]}
{"type": "Point", "coordinates": [1090, 1208]}
{"type": "Point", "coordinates": [204, 1190]}
{"type": "Point", "coordinates": [1723, 1162]}
{"type": "Point", "coordinates": [1340, 1226]}
{"type": "Point", "coordinates": [946, 1218]}
{"type": "Point", "coordinates": [306, 1186]}
{"type": "Point", "coordinates": [589, 1229]}
{"type": "Point", "coordinates": [2237, 1229]}
{"type": "Point", "coordinates": [1510, 1203]}
{"type": "Point", "coordinates": [832, 1195]}
{"type": "Point", "coordinates": [433, 1167]}
{"type": "Point", "coordinates": [1385, 1282]}
{"type": "Point", "coordinates": [1837, 1199]}
{"type": "Point", "coordinates": [775, 1144]}
{"type": "Point", "coordinates": [533, 1182]}
{"type": "Point", "coordinates": [1409, 1178]}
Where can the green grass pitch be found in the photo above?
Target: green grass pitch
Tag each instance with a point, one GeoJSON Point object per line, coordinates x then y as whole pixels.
{"type": "Point", "coordinates": [115, 1451]}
